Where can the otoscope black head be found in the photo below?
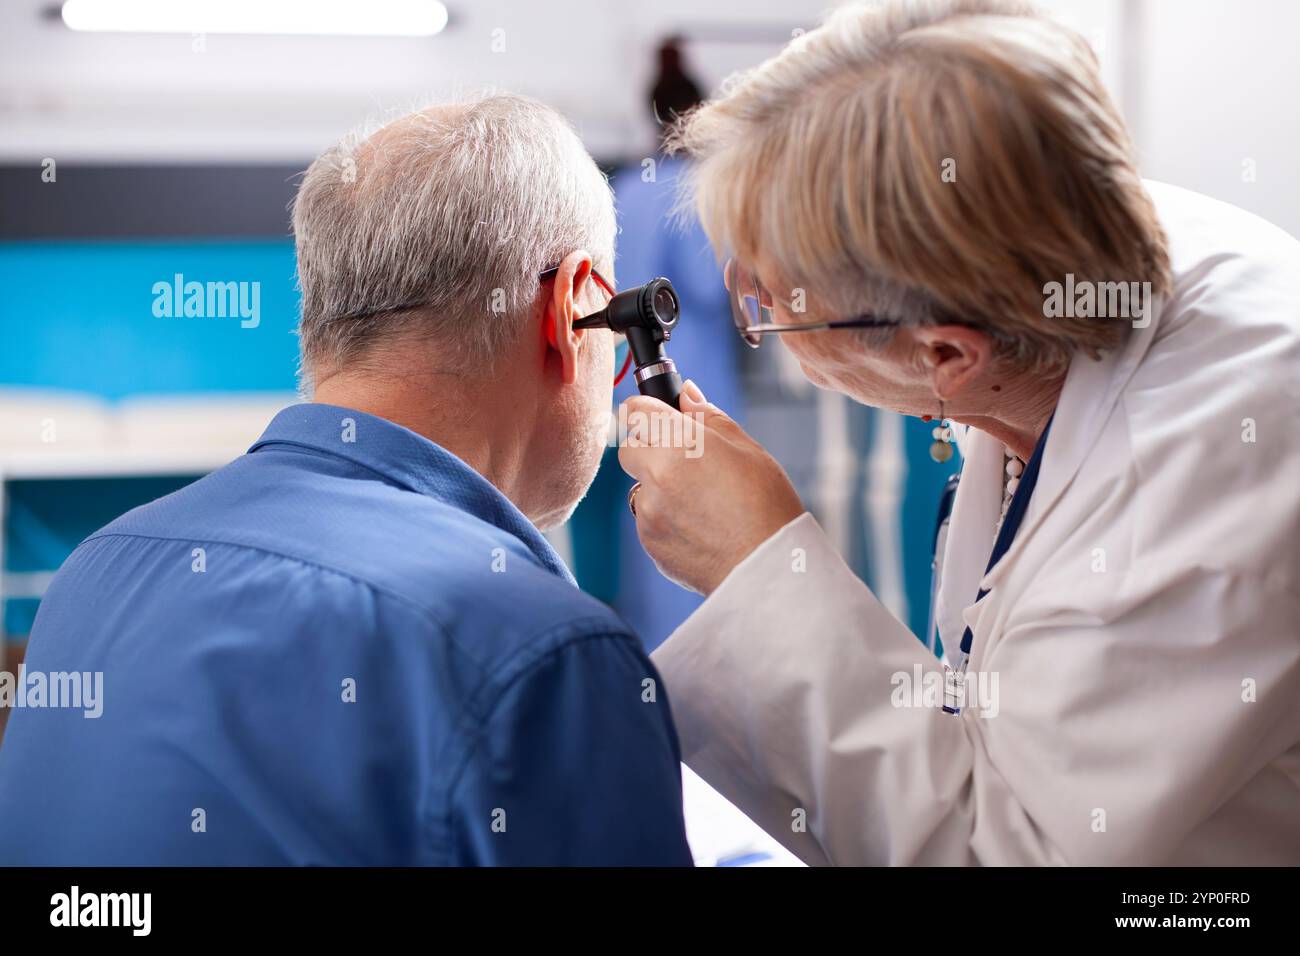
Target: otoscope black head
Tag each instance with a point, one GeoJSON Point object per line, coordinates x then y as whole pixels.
{"type": "Point", "coordinates": [653, 307]}
{"type": "Point", "coordinates": [647, 316]}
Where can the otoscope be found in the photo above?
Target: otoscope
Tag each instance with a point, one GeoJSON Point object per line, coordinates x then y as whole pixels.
{"type": "Point", "coordinates": [647, 316]}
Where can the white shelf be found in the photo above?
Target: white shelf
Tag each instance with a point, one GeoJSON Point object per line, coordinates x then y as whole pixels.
{"type": "Point", "coordinates": [114, 463]}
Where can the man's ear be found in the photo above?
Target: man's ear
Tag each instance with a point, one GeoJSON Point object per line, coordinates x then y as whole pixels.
{"type": "Point", "coordinates": [561, 311]}
{"type": "Point", "coordinates": [955, 356]}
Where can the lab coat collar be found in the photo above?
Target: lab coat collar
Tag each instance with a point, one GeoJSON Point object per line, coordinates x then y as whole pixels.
{"type": "Point", "coordinates": [410, 461]}
{"type": "Point", "coordinates": [1091, 390]}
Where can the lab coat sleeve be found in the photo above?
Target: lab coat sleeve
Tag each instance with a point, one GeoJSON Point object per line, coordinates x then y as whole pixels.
{"type": "Point", "coordinates": [785, 684]}
{"type": "Point", "coordinates": [1119, 727]}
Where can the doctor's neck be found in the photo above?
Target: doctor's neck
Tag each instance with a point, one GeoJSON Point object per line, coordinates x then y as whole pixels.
{"type": "Point", "coordinates": [1015, 411]}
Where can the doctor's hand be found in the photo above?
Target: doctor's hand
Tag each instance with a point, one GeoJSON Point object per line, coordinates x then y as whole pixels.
{"type": "Point", "coordinates": [709, 494]}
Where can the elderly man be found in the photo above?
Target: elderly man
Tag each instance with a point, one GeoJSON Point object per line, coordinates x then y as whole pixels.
{"type": "Point", "coordinates": [353, 644]}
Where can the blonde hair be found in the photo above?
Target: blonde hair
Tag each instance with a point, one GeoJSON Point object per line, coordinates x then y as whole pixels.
{"type": "Point", "coordinates": [931, 161]}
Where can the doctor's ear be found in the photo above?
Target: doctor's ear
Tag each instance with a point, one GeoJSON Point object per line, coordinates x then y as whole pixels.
{"type": "Point", "coordinates": [561, 310]}
{"type": "Point", "coordinates": [954, 356]}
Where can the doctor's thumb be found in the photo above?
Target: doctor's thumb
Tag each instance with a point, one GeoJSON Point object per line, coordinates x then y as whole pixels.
{"type": "Point", "coordinates": [692, 399]}
{"type": "Point", "coordinates": [693, 403]}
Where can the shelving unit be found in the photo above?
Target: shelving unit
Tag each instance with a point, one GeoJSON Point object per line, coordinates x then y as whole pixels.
{"type": "Point", "coordinates": [53, 465]}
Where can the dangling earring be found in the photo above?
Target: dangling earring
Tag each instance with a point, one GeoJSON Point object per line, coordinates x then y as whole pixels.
{"type": "Point", "coordinates": [941, 447]}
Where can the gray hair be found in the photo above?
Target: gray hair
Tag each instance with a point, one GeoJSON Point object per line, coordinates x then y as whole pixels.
{"type": "Point", "coordinates": [438, 223]}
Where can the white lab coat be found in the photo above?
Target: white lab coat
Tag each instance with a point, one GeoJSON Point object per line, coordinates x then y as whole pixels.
{"type": "Point", "coordinates": [1144, 628]}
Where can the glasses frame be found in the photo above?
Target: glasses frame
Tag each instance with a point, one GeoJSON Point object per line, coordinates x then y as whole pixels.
{"type": "Point", "coordinates": [751, 333]}
{"type": "Point", "coordinates": [547, 275]}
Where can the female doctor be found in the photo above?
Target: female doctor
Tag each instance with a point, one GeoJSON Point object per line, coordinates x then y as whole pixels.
{"type": "Point", "coordinates": [934, 206]}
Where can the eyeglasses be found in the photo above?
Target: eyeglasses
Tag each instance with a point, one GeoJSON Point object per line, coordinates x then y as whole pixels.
{"type": "Point", "coordinates": [752, 305]}
{"type": "Point", "coordinates": [552, 272]}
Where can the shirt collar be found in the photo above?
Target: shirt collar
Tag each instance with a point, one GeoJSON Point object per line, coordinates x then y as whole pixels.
{"type": "Point", "coordinates": [410, 461]}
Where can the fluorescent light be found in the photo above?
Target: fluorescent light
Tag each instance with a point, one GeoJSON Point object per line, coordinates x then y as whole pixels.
{"type": "Point", "coordinates": [405, 18]}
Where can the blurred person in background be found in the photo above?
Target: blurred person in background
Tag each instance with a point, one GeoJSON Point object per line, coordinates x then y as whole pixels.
{"type": "Point", "coordinates": [935, 206]}
{"type": "Point", "coordinates": [652, 243]}
{"type": "Point", "coordinates": [353, 644]}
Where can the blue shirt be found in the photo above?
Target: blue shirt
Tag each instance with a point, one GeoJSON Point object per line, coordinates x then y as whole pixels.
{"type": "Point", "coordinates": [345, 647]}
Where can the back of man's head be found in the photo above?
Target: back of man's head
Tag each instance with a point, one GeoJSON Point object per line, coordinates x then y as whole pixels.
{"type": "Point", "coordinates": [436, 225]}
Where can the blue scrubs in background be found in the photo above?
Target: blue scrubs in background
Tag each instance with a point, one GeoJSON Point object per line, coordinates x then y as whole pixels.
{"type": "Point", "coordinates": [704, 345]}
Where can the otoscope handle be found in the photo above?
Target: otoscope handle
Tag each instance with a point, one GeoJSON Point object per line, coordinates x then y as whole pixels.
{"type": "Point", "coordinates": [660, 380]}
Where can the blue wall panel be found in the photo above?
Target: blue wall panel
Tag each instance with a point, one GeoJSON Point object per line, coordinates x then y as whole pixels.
{"type": "Point", "coordinates": [79, 315]}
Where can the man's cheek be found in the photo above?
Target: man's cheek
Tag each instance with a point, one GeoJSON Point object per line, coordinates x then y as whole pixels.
{"type": "Point", "coordinates": [602, 423]}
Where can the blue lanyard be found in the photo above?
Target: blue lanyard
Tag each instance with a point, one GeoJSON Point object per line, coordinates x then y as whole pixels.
{"type": "Point", "coordinates": [1010, 525]}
